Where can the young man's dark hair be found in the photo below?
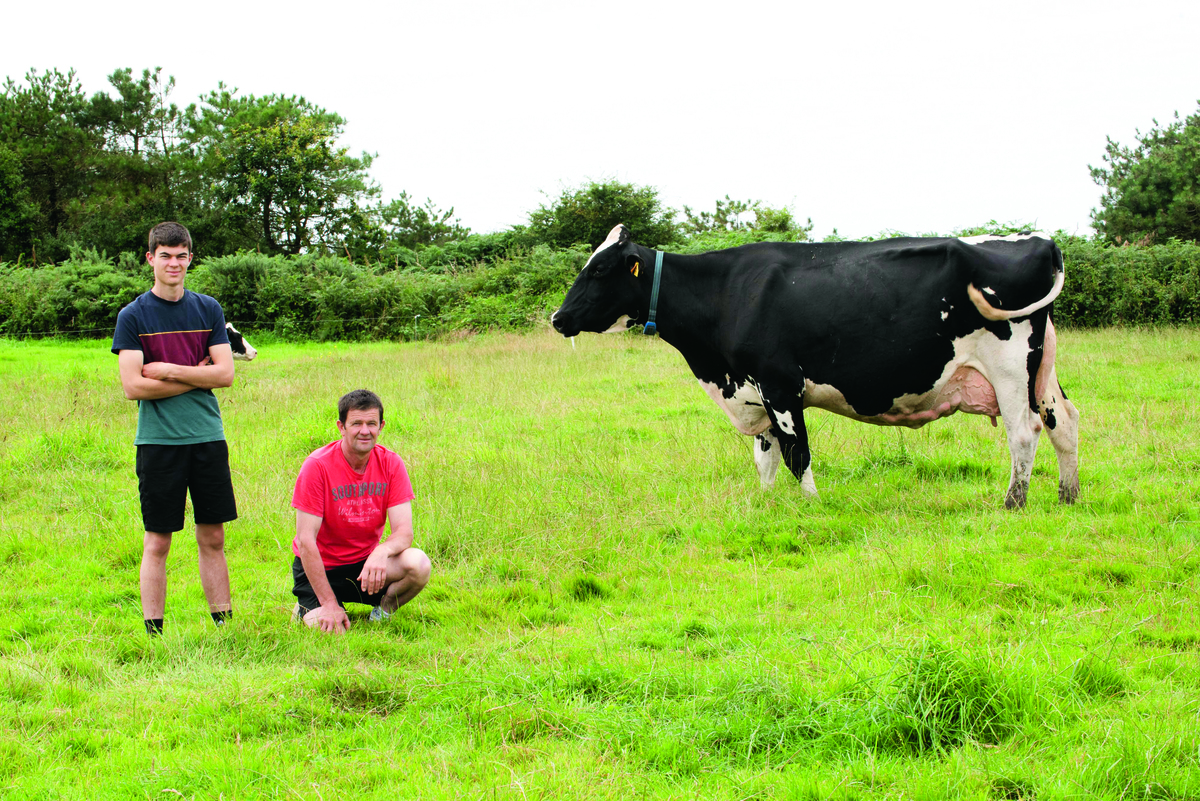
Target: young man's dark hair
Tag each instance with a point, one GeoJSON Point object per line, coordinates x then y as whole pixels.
{"type": "Point", "coordinates": [171, 234]}
{"type": "Point", "coordinates": [360, 400]}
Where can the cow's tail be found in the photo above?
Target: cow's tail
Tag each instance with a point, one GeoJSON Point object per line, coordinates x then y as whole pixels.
{"type": "Point", "coordinates": [990, 312]}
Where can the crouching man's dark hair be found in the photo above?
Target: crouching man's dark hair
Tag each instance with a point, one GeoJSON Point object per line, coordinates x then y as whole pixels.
{"type": "Point", "coordinates": [360, 400]}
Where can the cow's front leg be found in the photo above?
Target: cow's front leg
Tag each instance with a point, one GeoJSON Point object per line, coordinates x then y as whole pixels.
{"type": "Point", "coordinates": [767, 454]}
{"type": "Point", "coordinates": [787, 418]}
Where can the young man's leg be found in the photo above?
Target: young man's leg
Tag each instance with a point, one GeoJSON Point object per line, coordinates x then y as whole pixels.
{"type": "Point", "coordinates": [152, 578]}
{"type": "Point", "coordinates": [214, 570]}
{"type": "Point", "coordinates": [407, 575]}
{"type": "Point", "coordinates": [162, 487]}
{"type": "Point", "coordinates": [211, 487]}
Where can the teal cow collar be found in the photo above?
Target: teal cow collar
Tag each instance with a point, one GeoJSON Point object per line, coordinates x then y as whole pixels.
{"type": "Point", "coordinates": [651, 329]}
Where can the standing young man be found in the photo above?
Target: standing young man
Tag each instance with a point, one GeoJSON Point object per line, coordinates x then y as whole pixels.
{"type": "Point", "coordinates": [172, 351]}
{"type": "Point", "coordinates": [344, 494]}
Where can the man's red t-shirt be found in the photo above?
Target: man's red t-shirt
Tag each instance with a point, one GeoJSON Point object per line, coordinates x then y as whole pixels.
{"type": "Point", "coordinates": [352, 506]}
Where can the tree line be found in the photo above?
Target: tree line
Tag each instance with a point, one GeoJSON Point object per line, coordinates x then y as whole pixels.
{"type": "Point", "coordinates": [244, 172]}
{"type": "Point", "coordinates": [293, 232]}
{"type": "Point", "coordinates": [259, 173]}
{"type": "Point", "coordinates": [267, 174]}
{"type": "Point", "coordinates": [248, 173]}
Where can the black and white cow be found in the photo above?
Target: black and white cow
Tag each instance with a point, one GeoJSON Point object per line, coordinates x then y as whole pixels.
{"type": "Point", "coordinates": [898, 332]}
{"type": "Point", "coordinates": [242, 349]}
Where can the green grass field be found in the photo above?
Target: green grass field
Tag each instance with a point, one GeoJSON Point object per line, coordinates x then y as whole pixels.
{"type": "Point", "coordinates": [617, 610]}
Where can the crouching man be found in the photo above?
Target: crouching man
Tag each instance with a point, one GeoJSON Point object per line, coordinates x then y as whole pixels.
{"type": "Point", "coordinates": [345, 492]}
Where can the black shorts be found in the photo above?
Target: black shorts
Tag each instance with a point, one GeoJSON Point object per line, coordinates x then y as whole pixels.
{"type": "Point", "coordinates": [167, 473]}
{"type": "Point", "coordinates": [343, 579]}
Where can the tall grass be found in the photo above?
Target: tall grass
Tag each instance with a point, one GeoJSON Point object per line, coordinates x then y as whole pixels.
{"type": "Point", "coordinates": [617, 609]}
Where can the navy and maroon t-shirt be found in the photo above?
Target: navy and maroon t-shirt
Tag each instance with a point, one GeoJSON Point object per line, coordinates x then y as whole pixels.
{"type": "Point", "coordinates": [176, 332]}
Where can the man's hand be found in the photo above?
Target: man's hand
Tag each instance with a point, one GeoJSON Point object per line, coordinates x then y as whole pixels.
{"type": "Point", "coordinates": [159, 371]}
{"type": "Point", "coordinates": [183, 374]}
{"type": "Point", "coordinates": [328, 619]}
{"type": "Point", "coordinates": [373, 577]}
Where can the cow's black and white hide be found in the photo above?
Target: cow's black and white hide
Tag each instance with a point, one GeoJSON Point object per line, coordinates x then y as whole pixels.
{"type": "Point", "coordinates": [896, 332]}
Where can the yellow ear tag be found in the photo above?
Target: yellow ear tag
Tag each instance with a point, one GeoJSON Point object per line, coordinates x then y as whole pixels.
{"type": "Point", "coordinates": [636, 267]}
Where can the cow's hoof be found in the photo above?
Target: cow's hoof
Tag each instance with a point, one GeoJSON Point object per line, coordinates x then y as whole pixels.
{"type": "Point", "coordinates": [1068, 493]}
{"type": "Point", "coordinates": [807, 485]}
{"type": "Point", "coordinates": [1015, 498]}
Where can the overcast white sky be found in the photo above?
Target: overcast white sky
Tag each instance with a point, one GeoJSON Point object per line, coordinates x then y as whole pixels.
{"type": "Point", "coordinates": [918, 117]}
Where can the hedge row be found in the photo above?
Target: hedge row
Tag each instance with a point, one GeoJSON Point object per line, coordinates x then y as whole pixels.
{"type": "Point", "coordinates": [1130, 285]}
{"type": "Point", "coordinates": [304, 297]}
{"type": "Point", "coordinates": [477, 285]}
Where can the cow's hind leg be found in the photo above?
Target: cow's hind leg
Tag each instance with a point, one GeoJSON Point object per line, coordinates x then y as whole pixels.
{"type": "Point", "coordinates": [1060, 418]}
{"type": "Point", "coordinates": [767, 453]}
{"type": "Point", "coordinates": [1022, 426]}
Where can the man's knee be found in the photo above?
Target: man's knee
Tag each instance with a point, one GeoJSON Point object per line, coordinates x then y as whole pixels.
{"type": "Point", "coordinates": [416, 565]}
{"type": "Point", "coordinates": [210, 537]}
{"type": "Point", "coordinates": [156, 545]}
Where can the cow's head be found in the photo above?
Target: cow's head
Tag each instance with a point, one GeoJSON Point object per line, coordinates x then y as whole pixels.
{"type": "Point", "coordinates": [242, 349]}
{"type": "Point", "coordinates": [608, 295]}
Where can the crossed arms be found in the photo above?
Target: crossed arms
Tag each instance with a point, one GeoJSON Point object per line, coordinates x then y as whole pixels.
{"type": "Point", "coordinates": [158, 380]}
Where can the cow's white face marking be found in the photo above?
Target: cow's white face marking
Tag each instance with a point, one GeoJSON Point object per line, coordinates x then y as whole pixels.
{"type": "Point", "coordinates": [620, 325]}
{"type": "Point", "coordinates": [979, 240]}
{"type": "Point", "coordinates": [784, 419]}
{"type": "Point", "coordinates": [248, 351]}
{"type": "Point", "coordinates": [745, 409]}
{"type": "Point", "coordinates": [945, 315]}
{"type": "Point", "coordinates": [989, 290]}
{"type": "Point", "coordinates": [613, 236]}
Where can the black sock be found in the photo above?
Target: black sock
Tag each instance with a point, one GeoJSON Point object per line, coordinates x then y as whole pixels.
{"type": "Point", "coordinates": [220, 617]}
{"type": "Point", "coordinates": [153, 626]}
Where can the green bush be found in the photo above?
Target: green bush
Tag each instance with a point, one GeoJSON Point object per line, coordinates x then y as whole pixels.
{"type": "Point", "coordinates": [83, 293]}
{"type": "Point", "coordinates": [327, 297]}
{"type": "Point", "coordinates": [1129, 285]}
{"type": "Point", "coordinates": [719, 240]}
{"type": "Point", "coordinates": [586, 215]}
{"type": "Point", "coordinates": [500, 281]}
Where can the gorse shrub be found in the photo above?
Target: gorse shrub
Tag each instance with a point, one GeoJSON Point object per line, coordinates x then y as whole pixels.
{"type": "Point", "coordinates": [84, 293]}
{"type": "Point", "coordinates": [307, 297]}
{"type": "Point", "coordinates": [1130, 285]}
{"type": "Point", "coordinates": [585, 215]}
{"type": "Point", "coordinates": [501, 282]}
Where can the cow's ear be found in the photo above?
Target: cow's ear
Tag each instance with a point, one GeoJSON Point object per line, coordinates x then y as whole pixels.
{"type": "Point", "coordinates": [634, 263]}
{"type": "Point", "coordinates": [624, 235]}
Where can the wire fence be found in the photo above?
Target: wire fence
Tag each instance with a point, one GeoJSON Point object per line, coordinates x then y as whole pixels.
{"type": "Point", "coordinates": [67, 332]}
